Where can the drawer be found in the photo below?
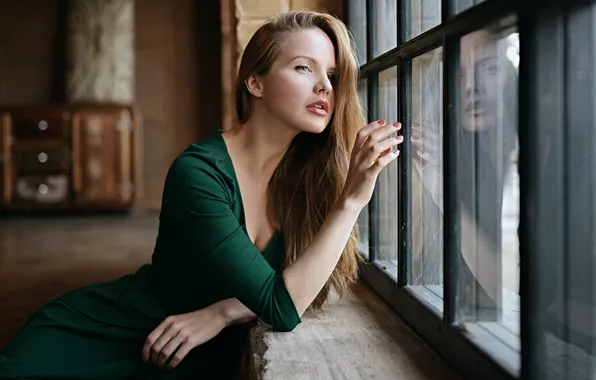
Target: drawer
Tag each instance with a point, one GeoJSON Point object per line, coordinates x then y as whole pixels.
{"type": "Point", "coordinates": [42, 159]}
{"type": "Point", "coordinates": [42, 189]}
{"type": "Point", "coordinates": [40, 125]}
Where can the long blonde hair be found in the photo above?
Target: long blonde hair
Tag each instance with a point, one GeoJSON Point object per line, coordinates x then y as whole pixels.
{"type": "Point", "coordinates": [310, 178]}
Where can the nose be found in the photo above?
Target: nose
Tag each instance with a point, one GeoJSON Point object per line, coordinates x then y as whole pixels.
{"type": "Point", "coordinates": [323, 85]}
{"type": "Point", "coordinates": [468, 78]}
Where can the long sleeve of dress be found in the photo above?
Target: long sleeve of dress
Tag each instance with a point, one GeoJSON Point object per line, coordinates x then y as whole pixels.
{"type": "Point", "coordinates": [229, 261]}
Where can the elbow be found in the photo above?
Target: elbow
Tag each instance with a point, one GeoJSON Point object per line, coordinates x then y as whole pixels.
{"type": "Point", "coordinates": [283, 320]}
{"type": "Point", "coordinates": [280, 312]}
{"type": "Point", "coordinates": [285, 326]}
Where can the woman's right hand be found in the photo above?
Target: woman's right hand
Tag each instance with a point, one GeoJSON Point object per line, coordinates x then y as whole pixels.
{"type": "Point", "coordinates": [371, 153]}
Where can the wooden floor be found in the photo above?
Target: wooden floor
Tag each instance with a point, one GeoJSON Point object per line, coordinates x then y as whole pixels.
{"type": "Point", "coordinates": [41, 258]}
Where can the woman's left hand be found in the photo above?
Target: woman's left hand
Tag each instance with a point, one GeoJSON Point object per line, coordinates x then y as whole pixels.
{"type": "Point", "coordinates": [181, 333]}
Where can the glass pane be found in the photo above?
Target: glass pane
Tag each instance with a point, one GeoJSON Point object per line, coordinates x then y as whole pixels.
{"type": "Point", "coordinates": [387, 182]}
{"type": "Point", "coordinates": [488, 181]}
{"type": "Point", "coordinates": [427, 174]}
{"type": "Point", "coordinates": [386, 26]}
{"type": "Point", "coordinates": [363, 228]}
{"type": "Point", "coordinates": [567, 212]}
{"type": "Point", "coordinates": [363, 94]}
{"type": "Point", "coordinates": [462, 5]}
{"type": "Point", "coordinates": [363, 217]}
{"type": "Point", "coordinates": [357, 23]}
{"type": "Point", "coordinates": [423, 15]}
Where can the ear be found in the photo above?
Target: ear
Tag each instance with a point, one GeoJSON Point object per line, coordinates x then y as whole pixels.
{"type": "Point", "coordinates": [254, 84]}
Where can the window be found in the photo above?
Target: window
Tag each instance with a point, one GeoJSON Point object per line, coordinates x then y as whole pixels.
{"type": "Point", "coordinates": [482, 236]}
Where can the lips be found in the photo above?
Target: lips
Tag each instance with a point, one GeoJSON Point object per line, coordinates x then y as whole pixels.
{"type": "Point", "coordinates": [320, 107]}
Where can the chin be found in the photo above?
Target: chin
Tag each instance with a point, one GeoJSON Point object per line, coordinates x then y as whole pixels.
{"type": "Point", "coordinates": [313, 126]}
{"type": "Point", "coordinates": [476, 123]}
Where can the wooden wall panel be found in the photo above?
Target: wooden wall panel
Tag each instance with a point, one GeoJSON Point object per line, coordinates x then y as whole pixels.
{"type": "Point", "coordinates": [29, 50]}
{"type": "Point", "coordinates": [177, 78]}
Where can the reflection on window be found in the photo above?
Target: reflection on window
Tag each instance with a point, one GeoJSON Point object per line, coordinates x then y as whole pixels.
{"type": "Point", "coordinates": [387, 181]}
{"type": "Point", "coordinates": [386, 26]}
{"type": "Point", "coordinates": [427, 175]}
{"type": "Point", "coordinates": [488, 184]}
{"type": "Point", "coordinates": [423, 15]}
{"type": "Point", "coordinates": [462, 5]}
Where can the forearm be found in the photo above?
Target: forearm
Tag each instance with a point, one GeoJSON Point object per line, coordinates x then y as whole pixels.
{"type": "Point", "coordinates": [234, 311]}
{"type": "Point", "coordinates": [306, 277]}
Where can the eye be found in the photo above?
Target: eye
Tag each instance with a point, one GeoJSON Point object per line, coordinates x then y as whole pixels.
{"type": "Point", "coordinates": [303, 68]}
{"type": "Point", "coordinates": [332, 78]}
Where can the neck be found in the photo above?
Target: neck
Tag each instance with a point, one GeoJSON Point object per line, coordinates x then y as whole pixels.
{"type": "Point", "coordinates": [259, 145]}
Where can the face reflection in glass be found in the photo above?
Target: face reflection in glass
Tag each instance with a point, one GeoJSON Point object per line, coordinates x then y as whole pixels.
{"type": "Point", "coordinates": [480, 81]}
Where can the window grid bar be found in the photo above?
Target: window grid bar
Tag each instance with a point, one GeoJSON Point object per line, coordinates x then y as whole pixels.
{"type": "Point", "coordinates": [446, 7]}
{"type": "Point", "coordinates": [469, 20]}
{"type": "Point", "coordinates": [371, 30]}
{"type": "Point", "coordinates": [403, 22]}
{"type": "Point", "coordinates": [532, 320]}
{"type": "Point", "coordinates": [374, 230]}
{"type": "Point", "coordinates": [451, 217]}
{"type": "Point", "coordinates": [404, 177]}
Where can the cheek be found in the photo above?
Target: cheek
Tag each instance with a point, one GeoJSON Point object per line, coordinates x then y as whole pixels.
{"type": "Point", "coordinates": [284, 89]}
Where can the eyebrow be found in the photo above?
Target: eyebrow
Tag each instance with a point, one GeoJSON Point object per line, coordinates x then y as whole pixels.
{"type": "Point", "coordinates": [310, 59]}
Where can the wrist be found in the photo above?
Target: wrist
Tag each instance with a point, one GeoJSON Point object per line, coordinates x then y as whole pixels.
{"type": "Point", "coordinates": [346, 205]}
{"type": "Point", "coordinates": [221, 312]}
{"type": "Point", "coordinates": [232, 311]}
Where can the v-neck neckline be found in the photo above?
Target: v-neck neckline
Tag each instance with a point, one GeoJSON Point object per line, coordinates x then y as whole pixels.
{"type": "Point", "coordinates": [232, 169]}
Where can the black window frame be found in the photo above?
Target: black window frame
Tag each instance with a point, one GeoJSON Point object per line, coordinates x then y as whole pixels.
{"type": "Point", "coordinates": [458, 347]}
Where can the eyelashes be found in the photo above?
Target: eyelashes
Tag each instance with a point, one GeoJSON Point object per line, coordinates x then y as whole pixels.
{"type": "Point", "coordinates": [307, 69]}
{"type": "Point", "coordinates": [303, 68]}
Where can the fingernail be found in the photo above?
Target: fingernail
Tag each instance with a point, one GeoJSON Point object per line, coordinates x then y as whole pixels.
{"type": "Point", "coordinates": [397, 125]}
{"type": "Point", "coordinates": [382, 122]}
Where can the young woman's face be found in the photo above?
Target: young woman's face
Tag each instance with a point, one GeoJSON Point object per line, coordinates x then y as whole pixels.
{"type": "Point", "coordinates": [480, 81]}
{"type": "Point", "coordinates": [298, 89]}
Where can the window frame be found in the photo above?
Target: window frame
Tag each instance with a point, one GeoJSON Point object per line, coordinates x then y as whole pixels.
{"type": "Point", "coordinates": [493, 359]}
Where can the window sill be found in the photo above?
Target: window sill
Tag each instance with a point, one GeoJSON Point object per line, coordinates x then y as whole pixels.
{"type": "Point", "coordinates": [359, 337]}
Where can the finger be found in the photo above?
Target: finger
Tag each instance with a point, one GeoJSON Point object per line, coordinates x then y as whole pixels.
{"type": "Point", "coordinates": [160, 343]}
{"type": "Point", "coordinates": [432, 138]}
{"type": "Point", "coordinates": [382, 147]}
{"type": "Point", "coordinates": [180, 354]}
{"type": "Point", "coordinates": [428, 157]}
{"type": "Point", "coordinates": [169, 349]}
{"type": "Point", "coordinates": [366, 131]}
{"type": "Point", "coordinates": [384, 161]}
{"type": "Point", "coordinates": [380, 134]}
{"type": "Point", "coordinates": [155, 334]}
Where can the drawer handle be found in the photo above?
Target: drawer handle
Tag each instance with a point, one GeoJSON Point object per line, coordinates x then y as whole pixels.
{"type": "Point", "coordinates": [43, 189]}
{"type": "Point", "coordinates": [42, 157]}
{"type": "Point", "coordinates": [43, 125]}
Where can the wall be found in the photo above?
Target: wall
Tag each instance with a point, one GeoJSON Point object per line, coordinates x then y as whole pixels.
{"type": "Point", "coordinates": [178, 71]}
{"type": "Point", "coordinates": [30, 51]}
{"type": "Point", "coordinates": [178, 85]}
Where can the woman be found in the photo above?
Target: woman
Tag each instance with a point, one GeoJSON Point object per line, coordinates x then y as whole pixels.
{"type": "Point", "coordinates": [486, 142]}
{"type": "Point", "coordinates": [258, 221]}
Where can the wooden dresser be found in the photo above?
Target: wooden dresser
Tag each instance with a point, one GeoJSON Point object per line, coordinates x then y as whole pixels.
{"type": "Point", "coordinates": [70, 157]}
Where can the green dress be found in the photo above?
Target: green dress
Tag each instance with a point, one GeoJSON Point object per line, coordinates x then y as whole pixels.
{"type": "Point", "coordinates": [202, 255]}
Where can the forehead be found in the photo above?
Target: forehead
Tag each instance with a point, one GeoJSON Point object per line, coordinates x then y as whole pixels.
{"type": "Point", "coordinates": [478, 44]}
{"type": "Point", "coordinates": [313, 43]}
